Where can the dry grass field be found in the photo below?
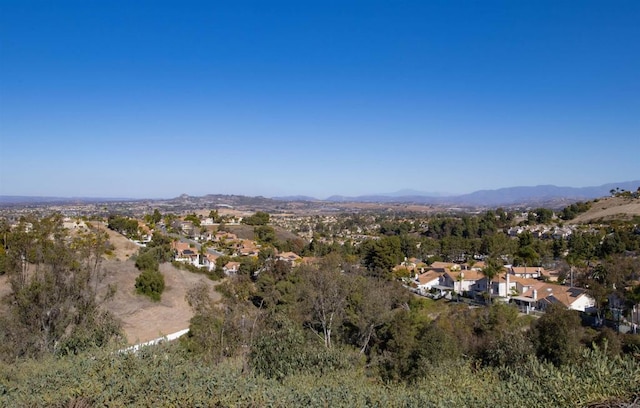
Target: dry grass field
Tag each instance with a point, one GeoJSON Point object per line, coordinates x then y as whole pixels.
{"type": "Point", "coordinates": [123, 248]}
{"type": "Point", "coordinates": [610, 208]}
{"type": "Point", "coordinates": [142, 318]}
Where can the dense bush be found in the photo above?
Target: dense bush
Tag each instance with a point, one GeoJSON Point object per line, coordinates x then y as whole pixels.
{"type": "Point", "coordinates": [124, 225]}
{"type": "Point", "coordinates": [150, 283]}
{"type": "Point", "coordinates": [259, 218]}
{"type": "Point", "coordinates": [574, 210]}
{"type": "Point", "coordinates": [165, 376]}
{"type": "Point", "coordinates": [147, 262]}
{"type": "Point", "coordinates": [281, 350]}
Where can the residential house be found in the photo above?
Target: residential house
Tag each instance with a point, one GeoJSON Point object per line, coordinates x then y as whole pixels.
{"type": "Point", "coordinates": [444, 266]}
{"type": "Point", "coordinates": [461, 281]}
{"type": "Point", "coordinates": [231, 268]}
{"type": "Point", "coordinates": [535, 295]}
{"type": "Point", "coordinates": [571, 298]}
{"type": "Point", "coordinates": [248, 247]}
{"type": "Point", "coordinates": [478, 266]}
{"type": "Point", "coordinates": [562, 233]}
{"type": "Point", "coordinates": [209, 262]}
{"type": "Point", "coordinates": [72, 224]}
{"type": "Point", "coordinates": [183, 252]}
{"type": "Point", "coordinates": [427, 280]}
{"type": "Point", "coordinates": [515, 231]}
{"type": "Point", "coordinates": [531, 272]}
{"type": "Point", "coordinates": [502, 285]}
{"type": "Point", "coordinates": [290, 257]}
{"type": "Point", "coordinates": [207, 221]}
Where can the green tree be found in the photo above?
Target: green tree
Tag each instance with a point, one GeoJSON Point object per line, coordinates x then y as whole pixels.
{"type": "Point", "coordinates": [259, 218]}
{"type": "Point", "coordinates": [221, 329]}
{"type": "Point", "coordinates": [543, 215]}
{"type": "Point", "coordinates": [153, 218]}
{"type": "Point", "coordinates": [501, 338]}
{"type": "Point", "coordinates": [557, 335]}
{"type": "Point", "coordinates": [53, 306]}
{"type": "Point", "coordinates": [370, 305]}
{"type": "Point", "coordinates": [213, 214]}
{"type": "Point", "coordinates": [126, 226]}
{"type": "Point", "coordinates": [382, 255]}
{"type": "Point", "coordinates": [193, 218]}
{"type": "Point", "coordinates": [146, 261]}
{"type": "Point", "coordinates": [492, 269]}
{"type": "Point", "coordinates": [526, 256]}
{"type": "Point", "coordinates": [265, 234]}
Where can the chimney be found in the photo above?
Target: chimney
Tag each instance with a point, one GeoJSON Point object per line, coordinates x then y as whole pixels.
{"type": "Point", "coordinates": [535, 294]}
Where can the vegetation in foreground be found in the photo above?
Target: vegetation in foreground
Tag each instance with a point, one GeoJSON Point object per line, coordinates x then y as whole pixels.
{"type": "Point", "coordinates": [166, 376]}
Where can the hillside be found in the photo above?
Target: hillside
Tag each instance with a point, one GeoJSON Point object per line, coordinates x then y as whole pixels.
{"type": "Point", "coordinates": [123, 248]}
{"type": "Point", "coordinates": [143, 319]}
{"type": "Point", "coordinates": [610, 208]}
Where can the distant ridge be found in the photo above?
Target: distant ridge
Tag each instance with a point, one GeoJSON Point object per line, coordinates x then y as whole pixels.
{"type": "Point", "coordinates": [516, 195]}
{"type": "Point", "coordinates": [521, 195]}
{"type": "Point", "coordinates": [542, 195]}
{"type": "Point", "coordinates": [508, 196]}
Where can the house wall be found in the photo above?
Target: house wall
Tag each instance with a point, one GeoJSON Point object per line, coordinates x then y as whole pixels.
{"type": "Point", "coordinates": [428, 285]}
{"type": "Point", "coordinates": [583, 303]}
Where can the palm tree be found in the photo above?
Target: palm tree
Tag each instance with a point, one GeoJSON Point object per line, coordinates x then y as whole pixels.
{"type": "Point", "coordinates": [490, 271]}
{"type": "Point", "coordinates": [460, 280]}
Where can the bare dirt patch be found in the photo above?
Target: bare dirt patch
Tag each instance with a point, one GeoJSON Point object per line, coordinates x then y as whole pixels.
{"type": "Point", "coordinates": [143, 319]}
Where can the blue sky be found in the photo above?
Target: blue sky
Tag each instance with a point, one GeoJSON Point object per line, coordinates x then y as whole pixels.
{"type": "Point", "coordinates": [152, 99]}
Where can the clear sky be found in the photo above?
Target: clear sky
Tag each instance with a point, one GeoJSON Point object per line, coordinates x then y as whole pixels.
{"type": "Point", "coordinates": [152, 99]}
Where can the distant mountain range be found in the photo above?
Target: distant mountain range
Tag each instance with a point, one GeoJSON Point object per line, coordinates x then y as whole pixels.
{"type": "Point", "coordinates": [544, 196]}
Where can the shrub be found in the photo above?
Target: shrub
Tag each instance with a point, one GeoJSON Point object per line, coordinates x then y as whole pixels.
{"type": "Point", "coordinates": [146, 261]}
{"type": "Point", "coordinates": [281, 351]}
{"type": "Point", "coordinates": [150, 283]}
